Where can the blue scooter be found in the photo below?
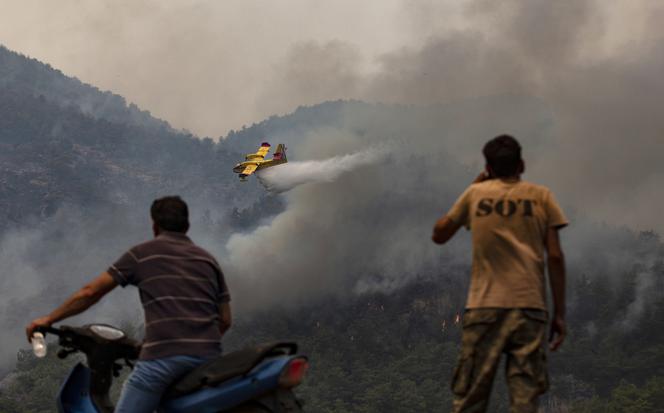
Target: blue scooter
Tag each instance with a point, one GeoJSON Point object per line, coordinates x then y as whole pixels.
{"type": "Point", "coordinates": [252, 380]}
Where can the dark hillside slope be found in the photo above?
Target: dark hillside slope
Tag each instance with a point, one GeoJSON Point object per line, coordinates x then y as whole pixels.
{"type": "Point", "coordinates": [30, 76]}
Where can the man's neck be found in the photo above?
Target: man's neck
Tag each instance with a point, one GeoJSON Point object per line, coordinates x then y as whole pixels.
{"type": "Point", "coordinates": [510, 179]}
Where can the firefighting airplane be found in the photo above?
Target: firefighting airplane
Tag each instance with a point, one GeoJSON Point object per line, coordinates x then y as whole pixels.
{"type": "Point", "coordinates": [256, 161]}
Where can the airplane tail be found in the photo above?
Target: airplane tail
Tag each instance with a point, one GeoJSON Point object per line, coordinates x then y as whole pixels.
{"type": "Point", "coordinates": [280, 154]}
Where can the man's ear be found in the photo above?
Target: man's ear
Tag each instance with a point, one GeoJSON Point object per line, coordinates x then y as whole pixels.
{"type": "Point", "coordinates": [522, 166]}
{"type": "Point", "coordinates": [155, 229]}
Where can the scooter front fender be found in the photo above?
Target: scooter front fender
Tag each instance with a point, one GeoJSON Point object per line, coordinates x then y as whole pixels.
{"type": "Point", "coordinates": [74, 396]}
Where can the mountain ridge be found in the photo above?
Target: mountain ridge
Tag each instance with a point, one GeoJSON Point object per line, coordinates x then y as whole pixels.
{"type": "Point", "coordinates": [37, 78]}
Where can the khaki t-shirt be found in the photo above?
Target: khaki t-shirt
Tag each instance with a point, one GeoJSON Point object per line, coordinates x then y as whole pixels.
{"type": "Point", "coordinates": [508, 220]}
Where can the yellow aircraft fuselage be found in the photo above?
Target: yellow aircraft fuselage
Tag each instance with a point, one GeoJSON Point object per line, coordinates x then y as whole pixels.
{"type": "Point", "coordinates": [256, 161]}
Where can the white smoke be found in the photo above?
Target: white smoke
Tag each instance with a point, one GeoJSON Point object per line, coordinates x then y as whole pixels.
{"type": "Point", "coordinates": [646, 279]}
{"type": "Point", "coordinates": [287, 176]}
{"type": "Point", "coordinates": [645, 294]}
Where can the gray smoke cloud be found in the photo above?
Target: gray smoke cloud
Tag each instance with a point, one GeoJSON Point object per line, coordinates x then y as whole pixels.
{"type": "Point", "coordinates": [595, 65]}
{"type": "Point", "coordinates": [44, 263]}
{"type": "Point", "coordinates": [626, 263]}
{"type": "Point", "coordinates": [369, 229]}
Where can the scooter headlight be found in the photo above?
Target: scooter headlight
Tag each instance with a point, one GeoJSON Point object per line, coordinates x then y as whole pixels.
{"type": "Point", "coordinates": [107, 332]}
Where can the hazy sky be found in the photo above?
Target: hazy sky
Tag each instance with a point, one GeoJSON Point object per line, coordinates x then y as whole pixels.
{"type": "Point", "coordinates": [202, 65]}
{"type": "Point", "coordinates": [211, 66]}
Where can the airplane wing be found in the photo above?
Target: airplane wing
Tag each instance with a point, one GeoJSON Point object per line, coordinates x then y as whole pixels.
{"type": "Point", "coordinates": [263, 150]}
{"type": "Point", "coordinates": [260, 154]}
{"type": "Point", "coordinates": [250, 169]}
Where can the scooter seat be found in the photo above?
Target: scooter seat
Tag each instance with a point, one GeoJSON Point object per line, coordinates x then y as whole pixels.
{"type": "Point", "coordinates": [238, 363]}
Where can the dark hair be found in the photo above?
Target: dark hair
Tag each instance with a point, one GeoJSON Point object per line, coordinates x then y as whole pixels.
{"type": "Point", "coordinates": [503, 155]}
{"type": "Point", "coordinates": [170, 213]}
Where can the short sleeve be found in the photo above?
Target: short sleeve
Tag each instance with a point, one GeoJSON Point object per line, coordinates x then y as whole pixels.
{"type": "Point", "coordinates": [554, 214]}
{"type": "Point", "coordinates": [123, 270]}
{"type": "Point", "coordinates": [460, 211]}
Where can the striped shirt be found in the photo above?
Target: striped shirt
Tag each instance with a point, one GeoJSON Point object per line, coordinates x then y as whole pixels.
{"type": "Point", "coordinates": [181, 286]}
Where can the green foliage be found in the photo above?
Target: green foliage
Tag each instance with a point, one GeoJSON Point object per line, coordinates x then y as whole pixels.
{"type": "Point", "coordinates": [628, 398]}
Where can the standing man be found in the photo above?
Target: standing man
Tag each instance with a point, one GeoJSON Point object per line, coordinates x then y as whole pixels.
{"type": "Point", "coordinates": [513, 224]}
{"type": "Point", "coordinates": [184, 297]}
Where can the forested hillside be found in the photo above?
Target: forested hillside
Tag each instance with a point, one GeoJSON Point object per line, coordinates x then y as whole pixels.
{"type": "Point", "coordinates": [53, 155]}
{"type": "Point", "coordinates": [79, 167]}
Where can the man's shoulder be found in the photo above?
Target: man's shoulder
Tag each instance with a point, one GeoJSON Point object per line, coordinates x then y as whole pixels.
{"type": "Point", "coordinates": [144, 248]}
{"type": "Point", "coordinates": [477, 187]}
{"type": "Point", "coordinates": [535, 186]}
{"type": "Point", "coordinates": [495, 187]}
{"type": "Point", "coordinates": [202, 251]}
{"type": "Point", "coordinates": [157, 245]}
{"type": "Point", "coordinates": [539, 189]}
{"type": "Point", "coordinates": [169, 246]}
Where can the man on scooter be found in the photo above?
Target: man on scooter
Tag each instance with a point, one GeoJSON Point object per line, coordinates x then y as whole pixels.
{"type": "Point", "coordinates": [514, 224]}
{"type": "Point", "coordinates": [184, 297]}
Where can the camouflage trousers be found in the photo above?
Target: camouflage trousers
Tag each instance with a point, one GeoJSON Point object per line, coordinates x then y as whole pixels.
{"type": "Point", "coordinates": [488, 333]}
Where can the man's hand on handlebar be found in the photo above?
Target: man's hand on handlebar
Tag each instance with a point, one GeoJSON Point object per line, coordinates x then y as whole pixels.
{"type": "Point", "coordinates": [39, 322]}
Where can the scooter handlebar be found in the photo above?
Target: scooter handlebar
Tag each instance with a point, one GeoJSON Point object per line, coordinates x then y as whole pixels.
{"type": "Point", "coordinates": [49, 330]}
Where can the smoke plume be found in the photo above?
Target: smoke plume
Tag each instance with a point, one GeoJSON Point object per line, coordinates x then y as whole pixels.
{"type": "Point", "coordinates": [287, 176]}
